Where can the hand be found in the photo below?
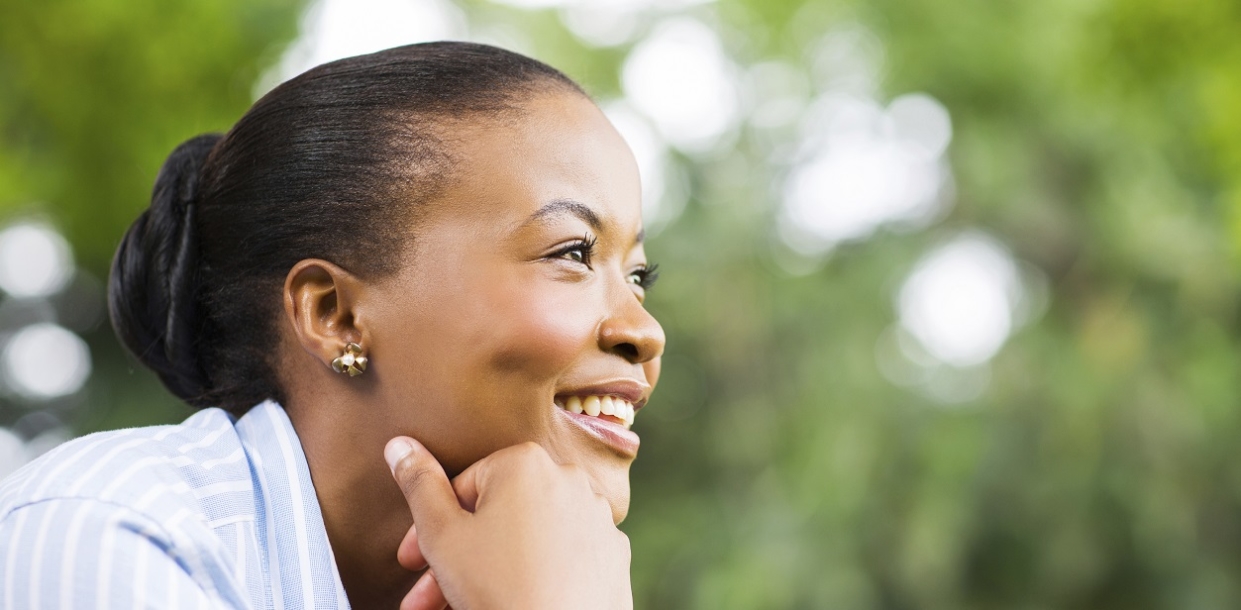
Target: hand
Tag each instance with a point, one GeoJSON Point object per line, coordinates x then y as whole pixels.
{"type": "Point", "coordinates": [514, 530]}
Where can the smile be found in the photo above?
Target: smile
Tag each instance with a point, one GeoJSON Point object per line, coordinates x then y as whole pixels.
{"type": "Point", "coordinates": [606, 412]}
{"type": "Point", "coordinates": [613, 409]}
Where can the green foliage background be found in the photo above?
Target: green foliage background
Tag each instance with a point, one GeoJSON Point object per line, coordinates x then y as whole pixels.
{"type": "Point", "coordinates": [1099, 139]}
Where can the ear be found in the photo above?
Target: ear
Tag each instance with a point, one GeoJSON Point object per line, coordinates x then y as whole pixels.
{"type": "Point", "coordinates": [320, 301]}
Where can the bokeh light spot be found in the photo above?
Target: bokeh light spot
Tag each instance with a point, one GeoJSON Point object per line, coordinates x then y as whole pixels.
{"type": "Point", "coordinates": [959, 300]}
{"type": "Point", "coordinates": [848, 59]}
{"type": "Point", "coordinates": [12, 452]}
{"type": "Point", "coordinates": [43, 361]}
{"type": "Point", "coordinates": [35, 261]}
{"type": "Point", "coordinates": [680, 77]}
{"type": "Point", "coordinates": [922, 123]}
{"type": "Point", "coordinates": [535, 4]}
{"type": "Point", "coordinates": [605, 24]}
{"type": "Point", "coordinates": [335, 29]}
{"type": "Point", "coordinates": [649, 150]}
{"type": "Point", "coordinates": [865, 167]}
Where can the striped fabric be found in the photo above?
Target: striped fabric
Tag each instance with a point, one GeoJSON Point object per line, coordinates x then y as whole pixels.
{"type": "Point", "coordinates": [215, 512]}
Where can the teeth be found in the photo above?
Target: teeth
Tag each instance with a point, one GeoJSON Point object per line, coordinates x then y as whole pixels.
{"type": "Point", "coordinates": [591, 405]}
{"type": "Point", "coordinates": [600, 405]}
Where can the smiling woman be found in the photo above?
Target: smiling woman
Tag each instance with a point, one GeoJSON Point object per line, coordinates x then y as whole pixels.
{"type": "Point", "coordinates": [467, 221]}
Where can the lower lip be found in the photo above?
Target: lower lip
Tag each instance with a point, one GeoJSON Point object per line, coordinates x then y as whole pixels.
{"type": "Point", "coordinates": [624, 442]}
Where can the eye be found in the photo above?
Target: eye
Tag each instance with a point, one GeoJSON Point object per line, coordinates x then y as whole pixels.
{"type": "Point", "coordinates": [644, 276]}
{"type": "Point", "coordinates": [579, 251]}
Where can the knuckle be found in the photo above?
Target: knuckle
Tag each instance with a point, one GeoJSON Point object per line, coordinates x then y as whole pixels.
{"type": "Point", "coordinates": [531, 457]}
{"type": "Point", "coordinates": [529, 449]}
{"type": "Point", "coordinates": [532, 453]}
{"type": "Point", "coordinates": [520, 462]}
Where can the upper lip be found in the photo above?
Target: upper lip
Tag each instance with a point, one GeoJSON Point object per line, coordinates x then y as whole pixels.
{"type": "Point", "coordinates": [631, 390]}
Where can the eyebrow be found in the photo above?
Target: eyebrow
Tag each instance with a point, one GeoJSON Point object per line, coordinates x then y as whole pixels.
{"type": "Point", "coordinates": [575, 208]}
{"type": "Point", "coordinates": [567, 206]}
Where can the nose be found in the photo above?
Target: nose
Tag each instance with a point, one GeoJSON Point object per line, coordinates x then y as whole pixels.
{"type": "Point", "coordinates": [631, 332]}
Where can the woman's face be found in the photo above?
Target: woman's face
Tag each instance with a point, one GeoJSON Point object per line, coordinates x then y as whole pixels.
{"type": "Point", "coordinates": [522, 295]}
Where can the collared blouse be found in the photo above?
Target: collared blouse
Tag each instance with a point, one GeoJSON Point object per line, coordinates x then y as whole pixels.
{"type": "Point", "coordinates": [216, 512]}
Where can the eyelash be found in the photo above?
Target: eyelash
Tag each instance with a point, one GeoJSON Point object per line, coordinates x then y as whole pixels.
{"type": "Point", "coordinates": [644, 276]}
{"type": "Point", "coordinates": [584, 247]}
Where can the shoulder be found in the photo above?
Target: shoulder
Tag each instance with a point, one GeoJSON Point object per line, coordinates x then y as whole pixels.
{"type": "Point", "coordinates": [157, 471]}
{"type": "Point", "coordinates": [75, 552]}
{"type": "Point", "coordinates": [142, 504]}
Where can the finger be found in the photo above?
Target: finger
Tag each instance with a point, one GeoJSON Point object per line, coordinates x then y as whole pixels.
{"type": "Point", "coordinates": [503, 466]}
{"type": "Point", "coordinates": [409, 554]}
{"type": "Point", "coordinates": [465, 485]}
{"type": "Point", "coordinates": [426, 595]}
{"type": "Point", "coordinates": [426, 487]}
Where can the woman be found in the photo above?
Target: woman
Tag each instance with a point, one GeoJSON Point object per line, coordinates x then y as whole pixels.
{"type": "Point", "coordinates": [439, 242]}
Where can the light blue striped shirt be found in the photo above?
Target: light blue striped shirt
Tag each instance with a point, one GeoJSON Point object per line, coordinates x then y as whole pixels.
{"type": "Point", "coordinates": [214, 512]}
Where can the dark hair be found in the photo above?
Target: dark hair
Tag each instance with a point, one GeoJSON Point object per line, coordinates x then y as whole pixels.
{"type": "Point", "coordinates": [331, 164]}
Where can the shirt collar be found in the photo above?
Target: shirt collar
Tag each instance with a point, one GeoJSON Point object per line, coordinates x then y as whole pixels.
{"type": "Point", "coordinates": [299, 558]}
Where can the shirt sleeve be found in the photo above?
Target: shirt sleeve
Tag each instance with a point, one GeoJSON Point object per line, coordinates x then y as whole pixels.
{"type": "Point", "coordinates": [84, 553]}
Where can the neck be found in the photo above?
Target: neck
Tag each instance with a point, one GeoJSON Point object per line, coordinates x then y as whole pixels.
{"type": "Point", "coordinates": [365, 515]}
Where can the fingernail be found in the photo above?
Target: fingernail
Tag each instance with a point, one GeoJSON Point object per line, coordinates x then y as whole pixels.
{"type": "Point", "coordinates": [396, 450]}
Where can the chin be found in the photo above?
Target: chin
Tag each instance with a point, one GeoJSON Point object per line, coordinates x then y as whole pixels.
{"type": "Point", "coordinates": [620, 511]}
{"type": "Point", "coordinates": [613, 485]}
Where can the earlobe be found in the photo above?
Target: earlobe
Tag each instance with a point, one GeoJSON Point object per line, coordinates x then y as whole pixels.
{"type": "Point", "coordinates": [320, 302]}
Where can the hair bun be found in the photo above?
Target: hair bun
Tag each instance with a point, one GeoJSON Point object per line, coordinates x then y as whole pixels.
{"type": "Point", "coordinates": [153, 292]}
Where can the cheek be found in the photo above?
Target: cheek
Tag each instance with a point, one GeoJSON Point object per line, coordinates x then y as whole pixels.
{"type": "Point", "coordinates": [540, 327]}
{"type": "Point", "coordinates": [476, 358]}
{"type": "Point", "coordinates": [651, 369]}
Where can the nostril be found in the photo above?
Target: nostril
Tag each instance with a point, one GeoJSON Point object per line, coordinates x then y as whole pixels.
{"type": "Point", "coordinates": [628, 350]}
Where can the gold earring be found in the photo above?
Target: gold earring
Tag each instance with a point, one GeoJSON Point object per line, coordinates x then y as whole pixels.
{"type": "Point", "coordinates": [352, 361]}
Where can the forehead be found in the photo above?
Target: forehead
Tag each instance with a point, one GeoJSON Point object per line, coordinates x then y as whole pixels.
{"type": "Point", "coordinates": [560, 148]}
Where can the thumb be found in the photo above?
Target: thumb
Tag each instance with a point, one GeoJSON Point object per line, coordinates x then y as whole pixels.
{"type": "Point", "coordinates": [425, 486]}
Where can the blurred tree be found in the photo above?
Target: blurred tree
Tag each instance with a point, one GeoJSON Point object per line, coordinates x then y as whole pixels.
{"type": "Point", "coordinates": [1100, 140]}
{"type": "Point", "coordinates": [93, 96]}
